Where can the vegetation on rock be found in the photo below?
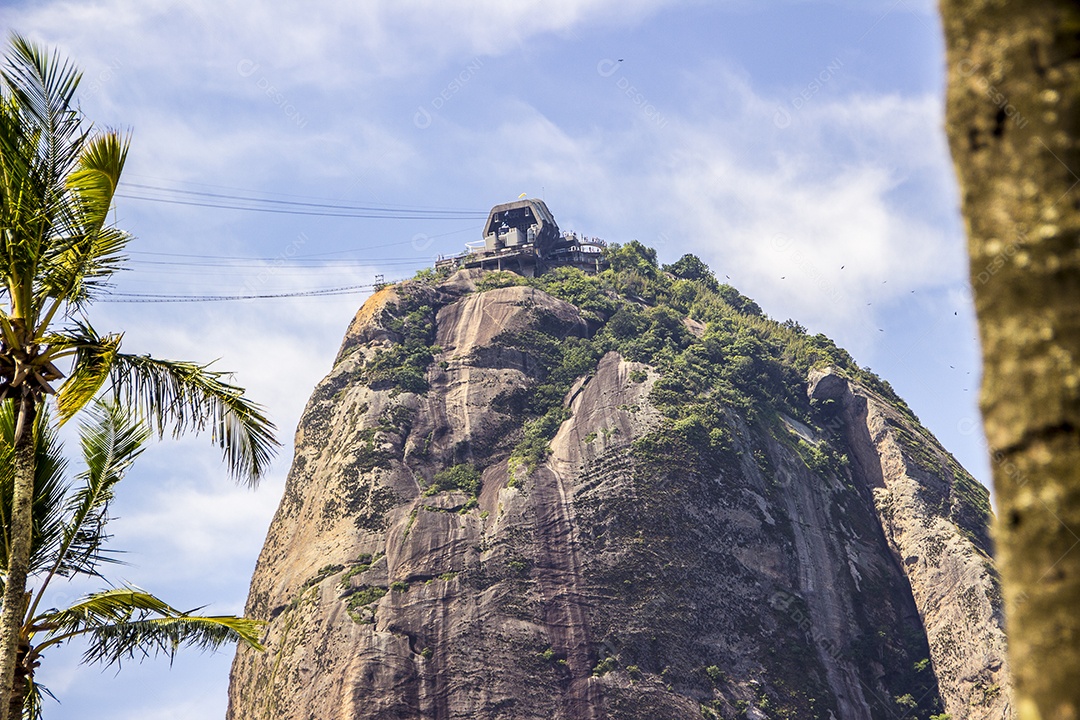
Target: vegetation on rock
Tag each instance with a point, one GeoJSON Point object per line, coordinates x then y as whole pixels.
{"type": "Point", "coordinates": [691, 528]}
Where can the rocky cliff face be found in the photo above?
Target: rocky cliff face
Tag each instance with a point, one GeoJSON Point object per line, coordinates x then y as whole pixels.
{"type": "Point", "coordinates": [507, 505]}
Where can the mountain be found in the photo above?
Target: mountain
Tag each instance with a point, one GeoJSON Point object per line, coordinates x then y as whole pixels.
{"type": "Point", "coordinates": [624, 495]}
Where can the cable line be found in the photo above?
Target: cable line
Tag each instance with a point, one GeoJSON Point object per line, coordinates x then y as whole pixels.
{"type": "Point", "coordinates": [294, 257]}
{"type": "Point", "coordinates": [159, 298]}
{"type": "Point", "coordinates": [282, 211]}
{"type": "Point", "coordinates": [236, 264]}
{"type": "Point", "coordinates": [469, 214]}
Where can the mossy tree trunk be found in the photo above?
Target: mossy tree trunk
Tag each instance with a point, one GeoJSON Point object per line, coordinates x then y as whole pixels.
{"type": "Point", "coordinates": [1013, 118]}
{"type": "Point", "coordinates": [20, 539]}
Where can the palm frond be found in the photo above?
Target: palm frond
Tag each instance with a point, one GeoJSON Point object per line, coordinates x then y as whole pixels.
{"type": "Point", "coordinates": [44, 86]}
{"type": "Point", "coordinates": [168, 394]}
{"type": "Point", "coordinates": [92, 363]}
{"type": "Point", "coordinates": [73, 270]}
{"type": "Point", "coordinates": [128, 622]}
{"type": "Point", "coordinates": [33, 705]}
{"type": "Point", "coordinates": [111, 439]}
{"type": "Point", "coordinates": [188, 396]}
{"type": "Point", "coordinates": [111, 644]}
{"type": "Point", "coordinates": [46, 138]}
{"type": "Point", "coordinates": [94, 182]}
{"type": "Point", "coordinates": [23, 194]}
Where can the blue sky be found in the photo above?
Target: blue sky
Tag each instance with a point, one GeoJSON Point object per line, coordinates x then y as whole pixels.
{"type": "Point", "coordinates": [796, 147]}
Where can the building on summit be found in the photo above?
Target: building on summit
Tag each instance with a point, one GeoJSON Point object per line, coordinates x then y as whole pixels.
{"type": "Point", "coordinates": [523, 237]}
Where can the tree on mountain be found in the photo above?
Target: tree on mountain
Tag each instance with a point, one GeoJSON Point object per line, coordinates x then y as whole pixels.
{"type": "Point", "coordinates": [69, 522]}
{"type": "Point", "coordinates": [1013, 120]}
{"type": "Point", "coordinates": [58, 252]}
{"type": "Point", "coordinates": [690, 267]}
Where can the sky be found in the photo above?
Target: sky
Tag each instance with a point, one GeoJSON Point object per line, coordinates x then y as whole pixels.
{"type": "Point", "coordinates": [796, 147]}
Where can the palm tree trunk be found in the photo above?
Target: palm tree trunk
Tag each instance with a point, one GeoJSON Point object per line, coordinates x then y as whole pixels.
{"type": "Point", "coordinates": [21, 683]}
{"type": "Point", "coordinates": [11, 617]}
{"type": "Point", "coordinates": [1013, 119]}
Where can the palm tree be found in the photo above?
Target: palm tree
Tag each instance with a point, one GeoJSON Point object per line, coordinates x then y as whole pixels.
{"type": "Point", "coordinates": [57, 254]}
{"type": "Point", "coordinates": [69, 534]}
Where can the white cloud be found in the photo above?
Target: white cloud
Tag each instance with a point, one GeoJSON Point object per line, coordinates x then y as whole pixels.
{"type": "Point", "coordinates": [322, 43]}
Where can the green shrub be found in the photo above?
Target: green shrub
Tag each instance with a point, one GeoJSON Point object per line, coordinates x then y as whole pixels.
{"type": "Point", "coordinates": [350, 574]}
{"type": "Point", "coordinates": [324, 572]}
{"type": "Point", "coordinates": [499, 279]}
{"type": "Point", "coordinates": [462, 477]}
{"type": "Point", "coordinates": [358, 602]}
{"type": "Point", "coordinates": [534, 448]}
{"type": "Point", "coordinates": [403, 365]}
{"type": "Point", "coordinates": [605, 666]}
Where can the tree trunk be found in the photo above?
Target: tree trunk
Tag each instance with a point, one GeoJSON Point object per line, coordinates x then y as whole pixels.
{"type": "Point", "coordinates": [1013, 120]}
{"type": "Point", "coordinates": [22, 523]}
{"type": "Point", "coordinates": [21, 683]}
